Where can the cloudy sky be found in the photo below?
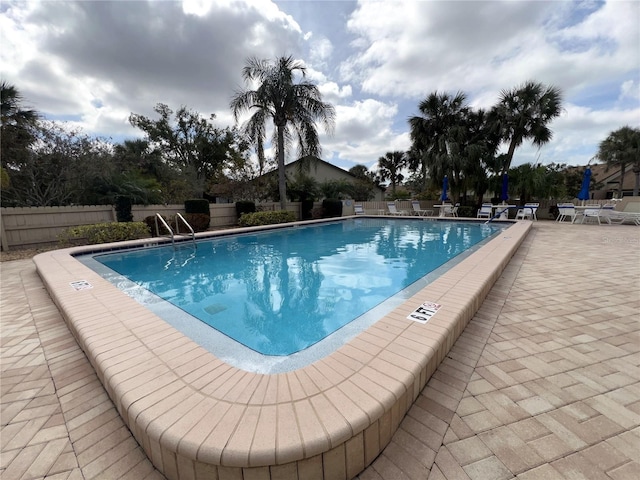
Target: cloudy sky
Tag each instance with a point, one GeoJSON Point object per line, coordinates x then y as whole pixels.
{"type": "Point", "coordinates": [92, 63]}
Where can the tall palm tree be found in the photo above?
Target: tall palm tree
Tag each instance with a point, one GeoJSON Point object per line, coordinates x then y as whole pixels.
{"type": "Point", "coordinates": [293, 108]}
{"type": "Point", "coordinates": [16, 122]}
{"type": "Point", "coordinates": [523, 113]}
{"type": "Point", "coordinates": [621, 149]}
{"type": "Point", "coordinates": [390, 166]}
{"type": "Point", "coordinates": [436, 134]}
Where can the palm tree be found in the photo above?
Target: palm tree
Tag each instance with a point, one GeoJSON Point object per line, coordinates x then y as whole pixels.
{"type": "Point", "coordinates": [16, 125]}
{"type": "Point", "coordinates": [389, 168]}
{"type": "Point", "coordinates": [620, 149]}
{"type": "Point", "coordinates": [523, 114]}
{"type": "Point", "coordinates": [292, 107]}
{"type": "Point", "coordinates": [436, 134]}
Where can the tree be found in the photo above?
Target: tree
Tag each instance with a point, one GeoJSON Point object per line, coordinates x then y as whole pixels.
{"type": "Point", "coordinates": [437, 134]}
{"type": "Point", "coordinates": [390, 167]}
{"type": "Point", "coordinates": [363, 188]}
{"type": "Point", "coordinates": [189, 143]}
{"type": "Point", "coordinates": [16, 127]}
{"type": "Point", "coordinates": [621, 149]}
{"type": "Point", "coordinates": [523, 113]}
{"type": "Point", "coordinates": [58, 169]}
{"type": "Point", "coordinates": [293, 108]}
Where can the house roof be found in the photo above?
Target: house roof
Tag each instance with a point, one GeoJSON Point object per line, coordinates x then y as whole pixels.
{"type": "Point", "coordinates": [316, 160]}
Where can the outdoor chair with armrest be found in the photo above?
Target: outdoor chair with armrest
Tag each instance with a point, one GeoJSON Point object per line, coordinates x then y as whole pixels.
{"type": "Point", "coordinates": [449, 210]}
{"type": "Point", "coordinates": [566, 210]}
{"type": "Point", "coordinates": [528, 211]}
{"type": "Point", "coordinates": [393, 210]}
{"type": "Point", "coordinates": [418, 210]}
{"type": "Point", "coordinates": [485, 211]}
{"type": "Point", "coordinates": [359, 209]}
{"type": "Point", "coordinates": [589, 212]}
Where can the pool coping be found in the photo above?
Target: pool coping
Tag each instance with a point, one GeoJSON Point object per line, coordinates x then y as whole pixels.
{"type": "Point", "coordinates": [196, 416]}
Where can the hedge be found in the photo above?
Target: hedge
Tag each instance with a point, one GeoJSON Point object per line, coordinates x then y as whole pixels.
{"type": "Point", "coordinates": [266, 218]}
{"type": "Point", "coordinates": [104, 233]}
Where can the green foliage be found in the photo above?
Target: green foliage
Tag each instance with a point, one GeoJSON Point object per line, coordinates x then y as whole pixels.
{"type": "Point", "coordinates": [336, 189]}
{"type": "Point", "coordinates": [294, 107]}
{"type": "Point", "coordinates": [197, 205]}
{"type": "Point", "coordinates": [189, 143]}
{"type": "Point", "coordinates": [362, 190]}
{"type": "Point", "coordinates": [332, 207]}
{"type": "Point", "coordinates": [400, 194]}
{"type": "Point", "coordinates": [266, 218]}
{"type": "Point", "coordinates": [16, 126]}
{"type": "Point", "coordinates": [123, 208]}
{"type": "Point", "coordinates": [303, 188]}
{"type": "Point", "coordinates": [389, 168]}
{"type": "Point", "coordinates": [244, 206]}
{"type": "Point", "coordinates": [104, 233]}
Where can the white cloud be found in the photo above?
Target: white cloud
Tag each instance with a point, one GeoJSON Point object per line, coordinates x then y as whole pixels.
{"type": "Point", "coordinates": [96, 62]}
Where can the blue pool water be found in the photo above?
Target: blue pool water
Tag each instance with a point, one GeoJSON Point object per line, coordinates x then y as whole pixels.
{"type": "Point", "coordinates": [280, 291]}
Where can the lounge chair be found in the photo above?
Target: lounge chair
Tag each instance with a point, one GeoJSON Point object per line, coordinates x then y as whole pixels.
{"type": "Point", "coordinates": [566, 210]}
{"type": "Point", "coordinates": [359, 210]}
{"type": "Point", "coordinates": [393, 210]}
{"type": "Point", "coordinates": [528, 211]}
{"type": "Point", "coordinates": [611, 216]}
{"type": "Point", "coordinates": [589, 212]}
{"type": "Point", "coordinates": [485, 211]}
{"type": "Point", "coordinates": [418, 210]}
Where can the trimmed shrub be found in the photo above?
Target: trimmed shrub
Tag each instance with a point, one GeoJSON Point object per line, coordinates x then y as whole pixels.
{"type": "Point", "coordinates": [198, 221]}
{"type": "Point", "coordinates": [104, 233]}
{"type": "Point", "coordinates": [244, 206]}
{"type": "Point", "coordinates": [197, 205]}
{"type": "Point", "coordinates": [332, 207]}
{"type": "Point", "coordinates": [266, 218]}
{"type": "Point", "coordinates": [123, 208]}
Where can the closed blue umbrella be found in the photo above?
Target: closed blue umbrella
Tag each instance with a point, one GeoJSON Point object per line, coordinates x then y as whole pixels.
{"type": "Point", "coordinates": [445, 187]}
{"type": "Point", "coordinates": [504, 195]}
{"type": "Point", "coordinates": [583, 194]}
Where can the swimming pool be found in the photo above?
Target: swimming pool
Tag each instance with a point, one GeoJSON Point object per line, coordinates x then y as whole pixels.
{"type": "Point", "coordinates": [195, 414]}
{"type": "Point", "coordinates": [282, 291]}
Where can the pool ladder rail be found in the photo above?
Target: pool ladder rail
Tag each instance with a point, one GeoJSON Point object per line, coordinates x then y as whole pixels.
{"type": "Point", "coordinates": [172, 234]}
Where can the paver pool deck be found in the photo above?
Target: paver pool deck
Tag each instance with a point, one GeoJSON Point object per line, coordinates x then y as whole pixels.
{"type": "Point", "coordinates": [544, 382]}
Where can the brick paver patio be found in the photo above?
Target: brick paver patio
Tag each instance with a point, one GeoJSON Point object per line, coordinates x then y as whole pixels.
{"type": "Point", "coordinates": [543, 384]}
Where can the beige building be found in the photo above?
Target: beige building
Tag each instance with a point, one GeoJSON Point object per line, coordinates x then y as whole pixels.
{"type": "Point", "coordinates": [609, 181]}
{"type": "Point", "coordinates": [323, 171]}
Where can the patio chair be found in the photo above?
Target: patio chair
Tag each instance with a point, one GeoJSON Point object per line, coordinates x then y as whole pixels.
{"type": "Point", "coordinates": [566, 210]}
{"type": "Point", "coordinates": [418, 210]}
{"type": "Point", "coordinates": [485, 211]}
{"type": "Point", "coordinates": [359, 210]}
{"type": "Point", "coordinates": [588, 213]}
{"type": "Point", "coordinates": [528, 211]}
{"type": "Point", "coordinates": [393, 210]}
{"type": "Point", "coordinates": [449, 210]}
